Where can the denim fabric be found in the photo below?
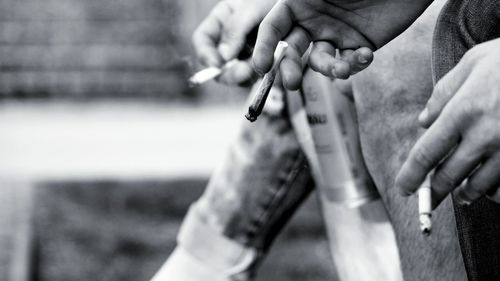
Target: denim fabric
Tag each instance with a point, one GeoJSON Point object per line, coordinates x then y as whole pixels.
{"type": "Point", "coordinates": [249, 198]}
{"type": "Point", "coordinates": [462, 25]}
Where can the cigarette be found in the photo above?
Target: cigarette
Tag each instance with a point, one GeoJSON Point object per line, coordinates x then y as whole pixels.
{"type": "Point", "coordinates": [210, 73]}
{"type": "Point", "coordinates": [255, 108]}
{"type": "Point", "coordinates": [424, 206]}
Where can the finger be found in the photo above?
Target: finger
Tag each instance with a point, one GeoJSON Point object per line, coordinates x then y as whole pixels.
{"type": "Point", "coordinates": [443, 91]}
{"type": "Point", "coordinates": [322, 58]}
{"type": "Point", "coordinates": [241, 73]}
{"type": "Point", "coordinates": [235, 32]}
{"type": "Point", "coordinates": [485, 178]}
{"type": "Point", "coordinates": [207, 35]}
{"type": "Point", "coordinates": [358, 60]}
{"type": "Point", "coordinates": [454, 170]}
{"type": "Point", "coordinates": [348, 63]}
{"type": "Point", "coordinates": [291, 66]}
{"type": "Point", "coordinates": [291, 70]}
{"type": "Point", "coordinates": [428, 151]}
{"type": "Point", "coordinates": [494, 195]}
{"type": "Point", "coordinates": [341, 69]}
{"type": "Point", "coordinates": [204, 41]}
{"type": "Point", "coordinates": [275, 26]}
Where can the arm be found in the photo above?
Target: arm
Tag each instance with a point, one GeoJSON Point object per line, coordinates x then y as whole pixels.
{"type": "Point", "coordinates": [339, 24]}
{"type": "Point", "coordinates": [223, 35]}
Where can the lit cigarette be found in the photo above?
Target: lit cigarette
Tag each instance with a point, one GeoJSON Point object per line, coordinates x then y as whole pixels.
{"type": "Point", "coordinates": [424, 206]}
{"type": "Point", "coordinates": [255, 108]}
{"type": "Point", "coordinates": [210, 73]}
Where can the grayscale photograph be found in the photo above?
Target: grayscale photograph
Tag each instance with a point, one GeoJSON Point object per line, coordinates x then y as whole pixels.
{"type": "Point", "coordinates": [250, 140]}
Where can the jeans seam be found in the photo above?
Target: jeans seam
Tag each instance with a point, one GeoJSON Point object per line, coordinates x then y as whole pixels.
{"type": "Point", "coordinates": [279, 193]}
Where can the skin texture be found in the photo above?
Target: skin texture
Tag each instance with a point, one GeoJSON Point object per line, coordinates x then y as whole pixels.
{"type": "Point", "coordinates": [222, 35]}
{"type": "Point", "coordinates": [343, 24]}
{"type": "Point", "coordinates": [389, 96]}
{"type": "Point", "coordinates": [224, 32]}
{"type": "Point", "coordinates": [463, 135]}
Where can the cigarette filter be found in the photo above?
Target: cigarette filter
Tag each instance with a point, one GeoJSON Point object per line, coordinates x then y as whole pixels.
{"type": "Point", "coordinates": [255, 108]}
{"type": "Point", "coordinates": [425, 206]}
{"type": "Point", "coordinates": [342, 174]}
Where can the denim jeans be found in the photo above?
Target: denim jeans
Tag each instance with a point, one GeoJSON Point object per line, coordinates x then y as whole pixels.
{"type": "Point", "coordinates": [261, 182]}
{"type": "Point", "coordinates": [245, 222]}
{"type": "Point", "coordinates": [462, 25]}
{"type": "Point", "coordinates": [249, 198]}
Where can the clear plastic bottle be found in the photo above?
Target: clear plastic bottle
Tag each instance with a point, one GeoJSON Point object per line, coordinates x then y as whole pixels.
{"type": "Point", "coordinates": [361, 237]}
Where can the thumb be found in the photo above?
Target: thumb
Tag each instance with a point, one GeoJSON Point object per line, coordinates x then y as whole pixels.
{"type": "Point", "coordinates": [234, 34]}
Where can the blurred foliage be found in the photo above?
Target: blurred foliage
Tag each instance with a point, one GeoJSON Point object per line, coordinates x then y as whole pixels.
{"type": "Point", "coordinates": [124, 231]}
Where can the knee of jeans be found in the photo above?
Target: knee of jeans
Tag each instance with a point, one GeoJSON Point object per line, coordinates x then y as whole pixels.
{"type": "Point", "coordinates": [250, 196]}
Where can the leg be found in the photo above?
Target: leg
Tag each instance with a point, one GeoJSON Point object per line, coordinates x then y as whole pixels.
{"type": "Point", "coordinates": [389, 95]}
{"type": "Point", "coordinates": [249, 198]}
{"type": "Point", "coordinates": [461, 26]}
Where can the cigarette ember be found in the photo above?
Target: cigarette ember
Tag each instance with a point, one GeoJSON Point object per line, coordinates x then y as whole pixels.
{"type": "Point", "coordinates": [255, 108]}
{"type": "Point", "coordinates": [210, 73]}
{"type": "Point", "coordinates": [425, 224]}
{"type": "Point", "coordinates": [425, 207]}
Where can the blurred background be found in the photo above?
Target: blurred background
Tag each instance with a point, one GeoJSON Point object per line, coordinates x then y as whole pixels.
{"type": "Point", "coordinates": [100, 142]}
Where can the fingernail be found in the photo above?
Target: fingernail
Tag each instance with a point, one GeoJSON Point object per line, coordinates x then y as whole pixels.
{"type": "Point", "coordinates": [402, 191]}
{"type": "Point", "coordinates": [362, 59]}
{"type": "Point", "coordinates": [423, 115]}
{"type": "Point", "coordinates": [225, 51]}
{"type": "Point", "coordinates": [462, 199]}
{"type": "Point", "coordinates": [334, 75]}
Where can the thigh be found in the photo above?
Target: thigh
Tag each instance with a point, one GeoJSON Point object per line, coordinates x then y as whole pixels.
{"type": "Point", "coordinates": [389, 95]}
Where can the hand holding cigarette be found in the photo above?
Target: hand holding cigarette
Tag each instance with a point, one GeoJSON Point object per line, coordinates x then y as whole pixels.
{"type": "Point", "coordinates": [344, 24]}
{"type": "Point", "coordinates": [227, 33]}
{"type": "Point", "coordinates": [259, 100]}
{"type": "Point", "coordinates": [210, 73]}
{"type": "Point", "coordinates": [462, 142]}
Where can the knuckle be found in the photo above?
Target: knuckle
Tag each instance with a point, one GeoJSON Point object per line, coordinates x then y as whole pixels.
{"type": "Point", "coordinates": [468, 109]}
{"type": "Point", "coordinates": [224, 5]}
{"type": "Point", "coordinates": [231, 33]}
{"type": "Point", "coordinates": [481, 136]}
{"type": "Point", "coordinates": [421, 157]}
{"type": "Point", "coordinates": [444, 180]}
{"type": "Point", "coordinates": [272, 28]}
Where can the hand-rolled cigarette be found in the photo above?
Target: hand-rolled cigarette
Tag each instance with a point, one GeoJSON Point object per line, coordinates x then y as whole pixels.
{"type": "Point", "coordinates": [210, 73]}
{"type": "Point", "coordinates": [255, 108]}
{"type": "Point", "coordinates": [425, 206]}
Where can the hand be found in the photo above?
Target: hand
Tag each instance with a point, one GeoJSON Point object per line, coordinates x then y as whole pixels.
{"type": "Point", "coordinates": [222, 36]}
{"type": "Point", "coordinates": [328, 63]}
{"type": "Point", "coordinates": [463, 139]}
{"type": "Point", "coordinates": [340, 24]}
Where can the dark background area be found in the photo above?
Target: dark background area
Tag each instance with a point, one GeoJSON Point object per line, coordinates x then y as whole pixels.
{"type": "Point", "coordinates": [99, 49]}
{"type": "Point", "coordinates": [124, 231]}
